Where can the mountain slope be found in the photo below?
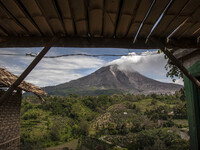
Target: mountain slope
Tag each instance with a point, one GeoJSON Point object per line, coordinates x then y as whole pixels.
{"type": "Point", "coordinates": [110, 80]}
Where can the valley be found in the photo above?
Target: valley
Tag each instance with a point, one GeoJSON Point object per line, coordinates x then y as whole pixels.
{"type": "Point", "coordinates": [119, 121]}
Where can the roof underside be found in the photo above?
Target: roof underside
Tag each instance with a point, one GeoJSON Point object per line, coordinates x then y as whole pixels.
{"type": "Point", "coordinates": [99, 23]}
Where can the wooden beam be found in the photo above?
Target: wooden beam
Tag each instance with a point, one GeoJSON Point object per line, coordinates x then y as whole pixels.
{"type": "Point", "coordinates": [126, 43]}
{"type": "Point", "coordinates": [190, 55]}
{"type": "Point", "coordinates": [14, 86]}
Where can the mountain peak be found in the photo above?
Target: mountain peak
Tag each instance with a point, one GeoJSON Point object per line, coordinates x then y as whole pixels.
{"type": "Point", "coordinates": [109, 80]}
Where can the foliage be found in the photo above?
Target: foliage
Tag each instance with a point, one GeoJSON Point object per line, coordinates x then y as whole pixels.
{"type": "Point", "coordinates": [157, 139]}
{"type": "Point", "coordinates": [92, 118]}
{"type": "Point", "coordinates": [159, 112]}
{"type": "Point", "coordinates": [172, 71]}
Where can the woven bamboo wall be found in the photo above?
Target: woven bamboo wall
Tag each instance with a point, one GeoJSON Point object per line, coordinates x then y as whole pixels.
{"type": "Point", "coordinates": [10, 123]}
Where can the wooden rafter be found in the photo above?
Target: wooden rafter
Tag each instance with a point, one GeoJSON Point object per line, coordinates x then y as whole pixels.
{"type": "Point", "coordinates": [97, 42]}
{"type": "Point", "coordinates": [14, 86]}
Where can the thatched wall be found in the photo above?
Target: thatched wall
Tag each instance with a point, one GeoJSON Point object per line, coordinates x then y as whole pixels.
{"type": "Point", "coordinates": [10, 122]}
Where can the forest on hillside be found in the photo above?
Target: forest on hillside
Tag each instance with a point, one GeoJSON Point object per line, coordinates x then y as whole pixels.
{"type": "Point", "coordinates": [119, 121]}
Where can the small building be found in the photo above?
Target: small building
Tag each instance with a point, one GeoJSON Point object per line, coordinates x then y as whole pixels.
{"type": "Point", "coordinates": [10, 110]}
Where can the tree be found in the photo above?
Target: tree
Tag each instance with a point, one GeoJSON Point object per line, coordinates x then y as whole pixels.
{"type": "Point", "coordinates": [172, 71]}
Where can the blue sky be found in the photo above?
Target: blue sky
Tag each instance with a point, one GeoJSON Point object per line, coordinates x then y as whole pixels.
{"type": "Point", "coordinates": [53, 71]}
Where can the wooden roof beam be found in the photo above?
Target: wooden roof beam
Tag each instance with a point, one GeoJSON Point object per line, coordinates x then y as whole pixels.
{"type": "Point", "coordinates": [140, 27]}
{"type": "Point", "coordinates": [56, 6]}
{"type": "Point", "coordinates": [13, 17]}
{"type": "Point", "coordinates": [14, 86]}
{"type": "Point", "coordinates": [182, 9]}
{"type": "Point", "coordinates": [43, 13]}
{"type": "Point", "coordinates": [23, 9]}
{"type": "Point", "coordinates": [96, 42]}
{"type": "Point", "coordinates": [190, 55]}
{"type": "Point", "coordinates": [177, 28]}
{"type": "Point", "coordinates": [159, 19]}
{"type": "Point", "coordinates": [189, 20]}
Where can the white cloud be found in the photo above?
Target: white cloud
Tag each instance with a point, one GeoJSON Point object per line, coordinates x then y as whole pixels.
{"type": "Point", "coordinates": [51, 71]}
{"type": "Point", "coordinates": [149, 64]}
{"type": "Point", "coordinates": [63, 69]}
{"type": "Point", "coordinates": [179, 81]}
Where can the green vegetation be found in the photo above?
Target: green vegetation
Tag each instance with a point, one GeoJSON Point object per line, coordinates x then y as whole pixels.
{"type": "Point", "coordinates": [123, 121]}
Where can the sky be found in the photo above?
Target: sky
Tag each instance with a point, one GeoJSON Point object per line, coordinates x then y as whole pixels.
{"type": "Point", "coordinates": [54, 71]}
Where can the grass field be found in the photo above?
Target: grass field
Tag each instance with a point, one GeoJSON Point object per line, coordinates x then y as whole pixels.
{"type": "Point", "coordinates": [146, 103]}
{"type": "Point", "coordinates": [72, 145]}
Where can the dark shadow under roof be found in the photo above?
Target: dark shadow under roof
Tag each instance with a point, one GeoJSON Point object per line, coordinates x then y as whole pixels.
{"type": "Point", "coordinates": [100, 23]}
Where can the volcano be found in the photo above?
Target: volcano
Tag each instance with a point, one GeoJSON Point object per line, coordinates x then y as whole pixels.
{"type": "Point", "coordinates": [110, 80]}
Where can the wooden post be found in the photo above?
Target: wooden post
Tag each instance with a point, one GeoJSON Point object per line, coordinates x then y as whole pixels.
{"type": "Point", "coordinates": [28, 70]}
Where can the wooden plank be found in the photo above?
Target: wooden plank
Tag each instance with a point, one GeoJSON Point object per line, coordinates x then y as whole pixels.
{"type": "Point", "coordinates": [191, 30]}
{"type": "Point", "coordinates": [110, 17]}
{"type": "Point", "coordinates": [79, 14]}
{"type": "Point", "coordinates": [173, 26]}
{"type": "Point", "coordinates": [95, 22]}
{"type": "Point", "coordinates": [109, 24]}
{"type": "Point", "coordinates": [66, 16]}
{"type": "Point", "coordinates": [95, 12]}
{"type": "Point", "coordinates": [133, 30]}
{"type": "Point", "coordinates": [195, 17]}
{"type": "Point", "coordinates": [13, 8]}
{"type": "Point", "coordinates": [190, 55]}
{"type": "Point", "coordinates": [127, 12]}
{"type": "Point", "coordinates": [3, 32]}
{"type": "Point", "coordinates": [10, 23]}
{"type": "Point", "coordinates": [157, 10]}
{"type": "Point", "coordinates": [141, 13]}
{"type": "Point", "coordinates": [191, 7]}
{"type": "Point", "coordinates": [36, 14]}
{"type": "Point", "coordinates": [155, 13]}
{"type": "Point", "coordinates": [170, 15]}
{"type": "Point", "coordinates": [7, 25]}
{"type": "Point", "coordinates": [188, 10]}
{"type": "Point", "coordinates": [145, 30]}
{"type": "Point", "coordinates": [182, 30]}
{"type": "Point", "coordinates": [163, 24]}
{"type": "Point", "coordinates": [96, 42]}
{"type": "Point", "coordinates": [50, 13]}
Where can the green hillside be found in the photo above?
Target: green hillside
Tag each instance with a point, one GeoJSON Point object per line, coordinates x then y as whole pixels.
{"type": "Point", "coordinates": [123, 121]}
